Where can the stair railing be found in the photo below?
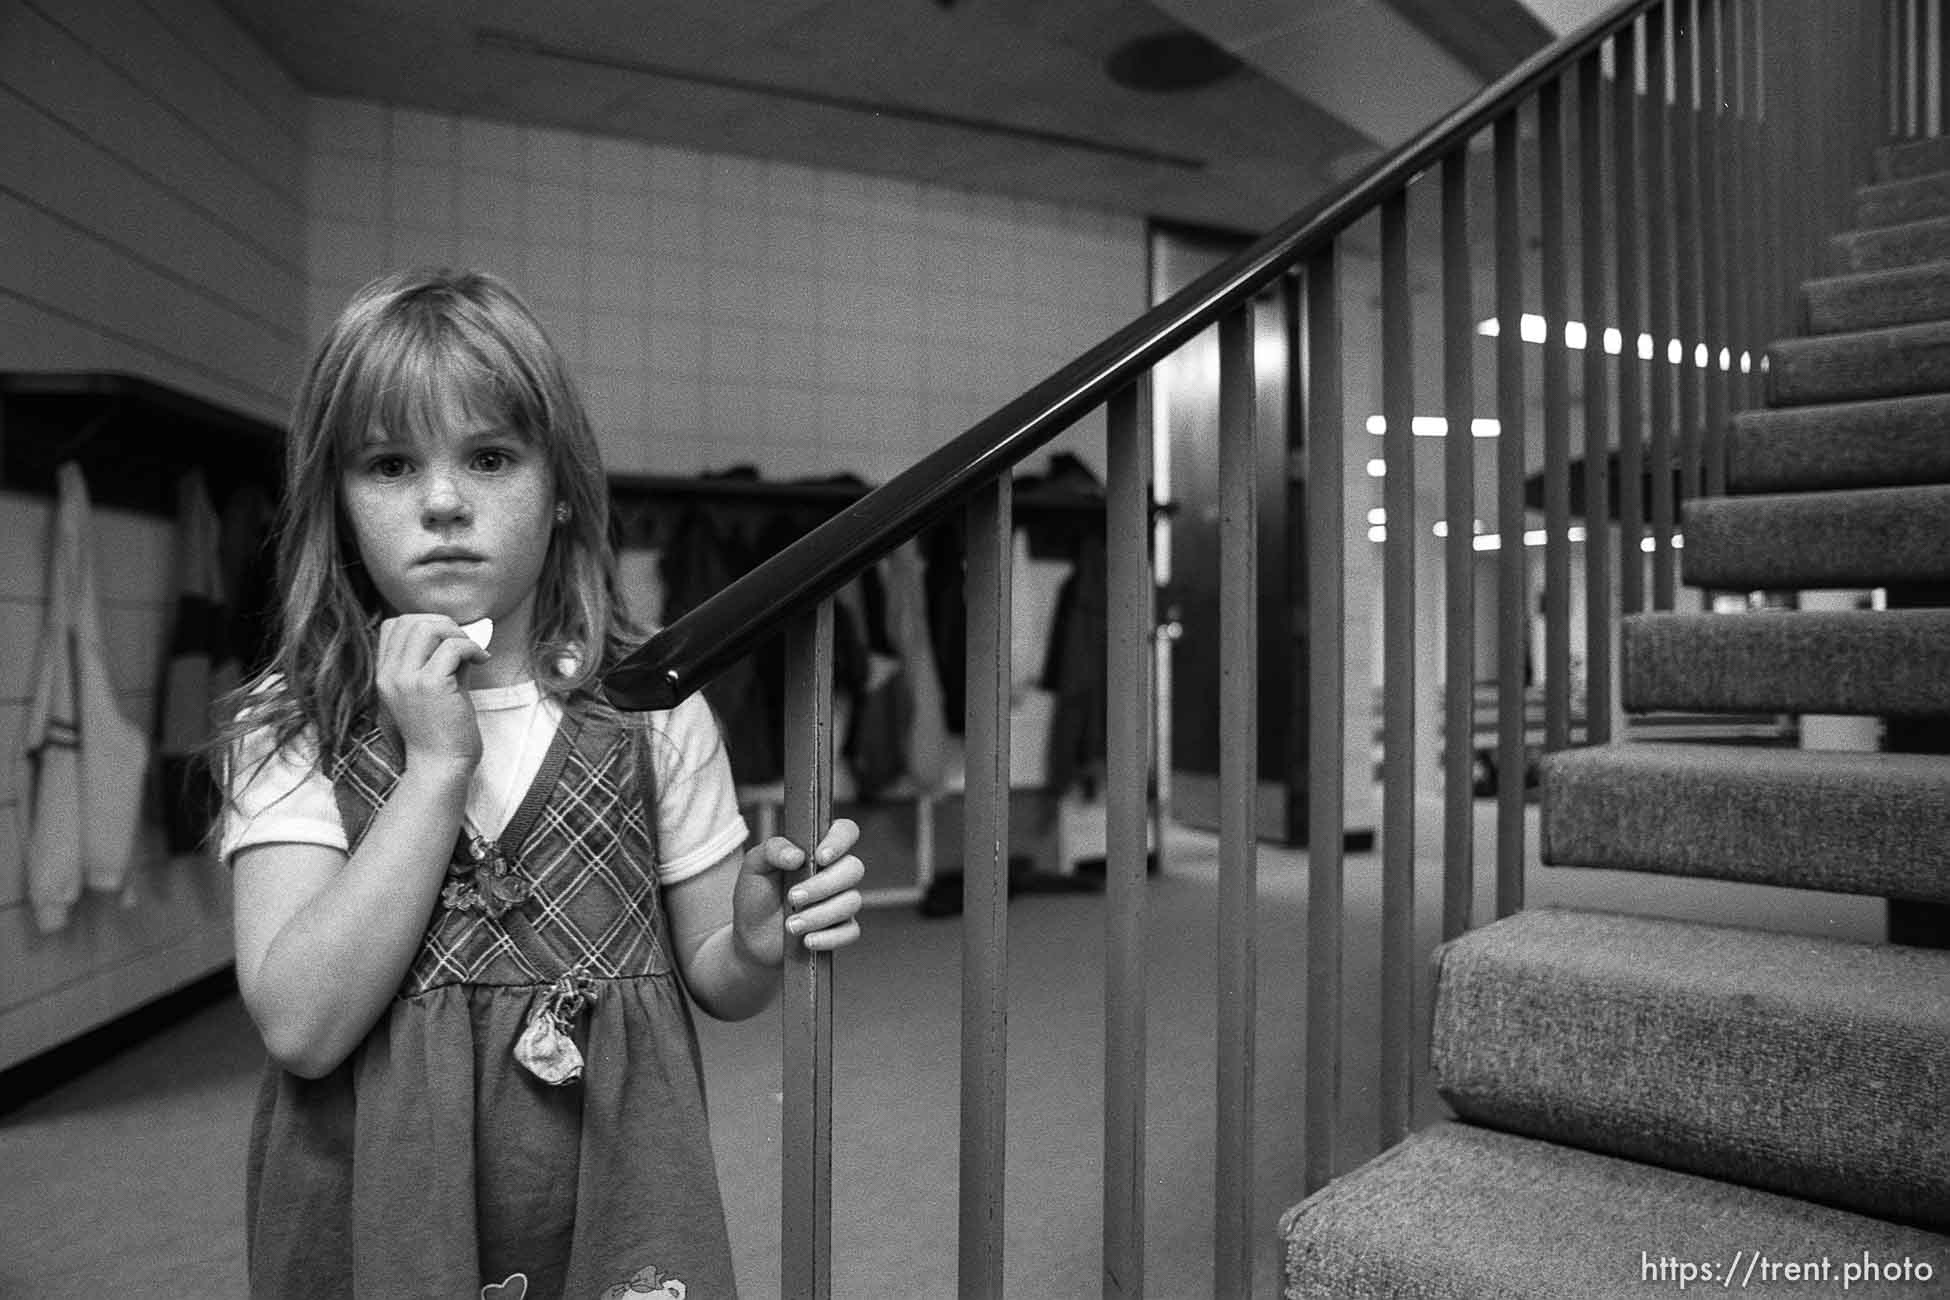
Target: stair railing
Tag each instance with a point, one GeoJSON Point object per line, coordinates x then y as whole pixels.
{"type": "Point", "coordinates": [1916, 42]}
{"type": "Point", "coordinates": [1686, 152]}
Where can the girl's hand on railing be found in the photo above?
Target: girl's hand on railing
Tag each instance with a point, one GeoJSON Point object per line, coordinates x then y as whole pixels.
{"type": "Point", "coordinates": [821, 909]}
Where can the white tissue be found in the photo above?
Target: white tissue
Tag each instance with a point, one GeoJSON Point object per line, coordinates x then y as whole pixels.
{"type": "Point", "coordinates": [480, 631]}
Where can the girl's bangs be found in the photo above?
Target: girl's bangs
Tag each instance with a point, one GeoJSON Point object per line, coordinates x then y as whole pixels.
{"type": "Point", "coordinates": [413, 381]}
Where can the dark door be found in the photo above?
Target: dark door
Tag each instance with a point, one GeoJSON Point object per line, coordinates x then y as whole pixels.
{"type": "Point", "coordinates": [1185, 399]}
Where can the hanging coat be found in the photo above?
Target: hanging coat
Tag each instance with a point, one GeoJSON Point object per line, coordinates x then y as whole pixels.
{"type": "Point", "coordinates": [1076, 670]}
{"type": "Point", "coordinates": [706, 551]}
{"type": "Point", "coordinates": [87, 761]}
{"type": "Point", "coordinates": [198, 652]}
{"type": "Point", "coordinates": [908, 630]}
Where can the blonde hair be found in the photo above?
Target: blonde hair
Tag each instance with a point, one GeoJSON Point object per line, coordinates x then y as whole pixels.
{"type": "Point", "coordinates": [407, 347]}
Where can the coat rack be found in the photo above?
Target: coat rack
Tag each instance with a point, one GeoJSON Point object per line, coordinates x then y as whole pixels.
{"type": "Point", "coordinates": [631, 494]}
{"type": "Point", "coordinates": [133, 438]}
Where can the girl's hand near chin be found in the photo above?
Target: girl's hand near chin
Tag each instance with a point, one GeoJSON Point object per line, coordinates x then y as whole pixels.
{"type": "Point", "coordinates": [417, 673]}
{"type": "Point", "coordinates": [821, 910]}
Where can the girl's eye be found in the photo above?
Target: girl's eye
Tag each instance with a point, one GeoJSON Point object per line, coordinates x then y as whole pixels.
{"type": "Point", "coordinates": [492, 461]}
{"type": "Point", "coordinates": [387, 466]}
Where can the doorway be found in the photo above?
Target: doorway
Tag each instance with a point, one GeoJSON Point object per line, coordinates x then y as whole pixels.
{"type": "Point", "coordinates": [1185, 416]}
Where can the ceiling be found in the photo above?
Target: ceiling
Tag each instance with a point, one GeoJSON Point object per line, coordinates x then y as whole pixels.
{"type": "Point", "coordinates": [1005, 96]}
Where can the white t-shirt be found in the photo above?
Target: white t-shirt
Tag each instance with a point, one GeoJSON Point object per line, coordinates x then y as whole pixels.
{"type": "Point", "coordinates": [290, 801]}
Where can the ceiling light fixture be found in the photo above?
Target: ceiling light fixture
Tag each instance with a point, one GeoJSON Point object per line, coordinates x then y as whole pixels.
{"type": "Point", "coordinates": [1165, 62]}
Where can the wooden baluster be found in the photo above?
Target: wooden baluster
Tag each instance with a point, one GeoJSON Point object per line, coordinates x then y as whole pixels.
{"type": "Point", "coordinates": [1129, 589]}
{"type": "Point", "coordinates": [1892, 71]}
{"type": "Point", "coordinates": [1661, 294]}
{"type": "Point", "coordinates": [1913, 69]}
{"type": "Point", "coordinates": [1513, 590]}
{"type": "Point", "coordinates": [1715, 92]}
{"type": "Point", "coordinates": [1731, 127]}
{"type": "Point", "coordinates": [1597, 402]}
{"type": "Point", "coordinates": [1628, 116]}
{"type": "Point", "coordinates": [806, 1016]}
{"type": "Point", "coordinates": [1326, 711]}
{"type": "Point", "coordinates": [990, 559]}
{"type": "Point", "coordinates": [1688, 376]}
{"type": "Point", "coordinates": [1939, 69]}
{"type": "Point", "coordinates": [1459, 551]}
{"type": "Point", "coordinates": [1756, 274]}
{"type": "Point", "coordinates": [1393, 1096]}
{"type": "Point", "coordinates": [1557, 418]}
{"type": "Point", "coordinates": [1293, 336]}
{"type": "Point", "coordinates": [1238, 789]}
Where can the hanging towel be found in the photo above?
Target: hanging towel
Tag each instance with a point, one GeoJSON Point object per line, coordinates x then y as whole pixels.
{"type": "Point", "coordinates": [87, 761]}
{"type": "Point", "coordinates": [197, 670]}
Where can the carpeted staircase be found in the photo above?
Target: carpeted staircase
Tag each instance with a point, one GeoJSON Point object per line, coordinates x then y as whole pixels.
{"type": "Point", "coordinates": [1641, 1102]}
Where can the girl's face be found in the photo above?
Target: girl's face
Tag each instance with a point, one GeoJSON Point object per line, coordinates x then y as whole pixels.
{"type": "Point", "coordinates": [453, 521]}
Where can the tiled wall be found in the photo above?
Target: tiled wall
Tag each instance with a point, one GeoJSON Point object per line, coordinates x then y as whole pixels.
{"type": "Point", "coordinates": [174, 206]}
{"type": "Point", "coordinates": [151, 221]}
{"type": "Point", "coordinates": [721, 310]}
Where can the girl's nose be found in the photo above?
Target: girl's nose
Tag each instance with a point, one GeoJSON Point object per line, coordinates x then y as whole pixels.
{"type": "Point", "coordinates": [444, 502]}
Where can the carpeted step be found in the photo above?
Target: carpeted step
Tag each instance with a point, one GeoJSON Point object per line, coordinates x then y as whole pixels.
{"type": "Point", "coordinates": [1884, 247]}
{"type": "Point", "coordinates": [1891, 203]}
{"type": "Point", "coordinates": [1889, 662]}
{"type": "Point", "coordinates": [1796, 541]}
{"type": "Point", "coordinates": [1807, 819]}
{"type": "Point", "coordinates": [1851, 444]}
{"type": "Point", "coordinates": [1458, 1212]}
{"type": "Point", "coordinates": [1806, 1066]}
{"type": "Point", "coordinates": [1904, 295]}
{"type": "Point", "coordinates": [1911, 158]}
{"type": "Point", "coordinates": [1890, 362]}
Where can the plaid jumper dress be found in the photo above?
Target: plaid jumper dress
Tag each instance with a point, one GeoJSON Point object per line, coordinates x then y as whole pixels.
{"type": "Point", "coordinates": [431, 1164]}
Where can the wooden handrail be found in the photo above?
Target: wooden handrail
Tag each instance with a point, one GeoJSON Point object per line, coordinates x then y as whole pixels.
{"type": "Point", "coordinates": [695, 648]}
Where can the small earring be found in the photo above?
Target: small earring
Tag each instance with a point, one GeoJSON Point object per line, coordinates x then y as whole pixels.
{"type": "Point", "coordinates": [562, 512]}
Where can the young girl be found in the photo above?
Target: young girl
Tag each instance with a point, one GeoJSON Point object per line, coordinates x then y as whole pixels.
{"type": "Point", "coordinates": [470, 896]}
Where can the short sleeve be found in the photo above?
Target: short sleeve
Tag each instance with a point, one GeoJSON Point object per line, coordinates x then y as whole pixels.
{"type": "Point", "coordinates": [698, 821]}
{"type": "Point", "coordinates": [277, 798]}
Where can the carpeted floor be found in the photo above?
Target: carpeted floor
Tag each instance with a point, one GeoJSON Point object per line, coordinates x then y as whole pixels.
{"type": "Point", "coordinates": [129, 1180]}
